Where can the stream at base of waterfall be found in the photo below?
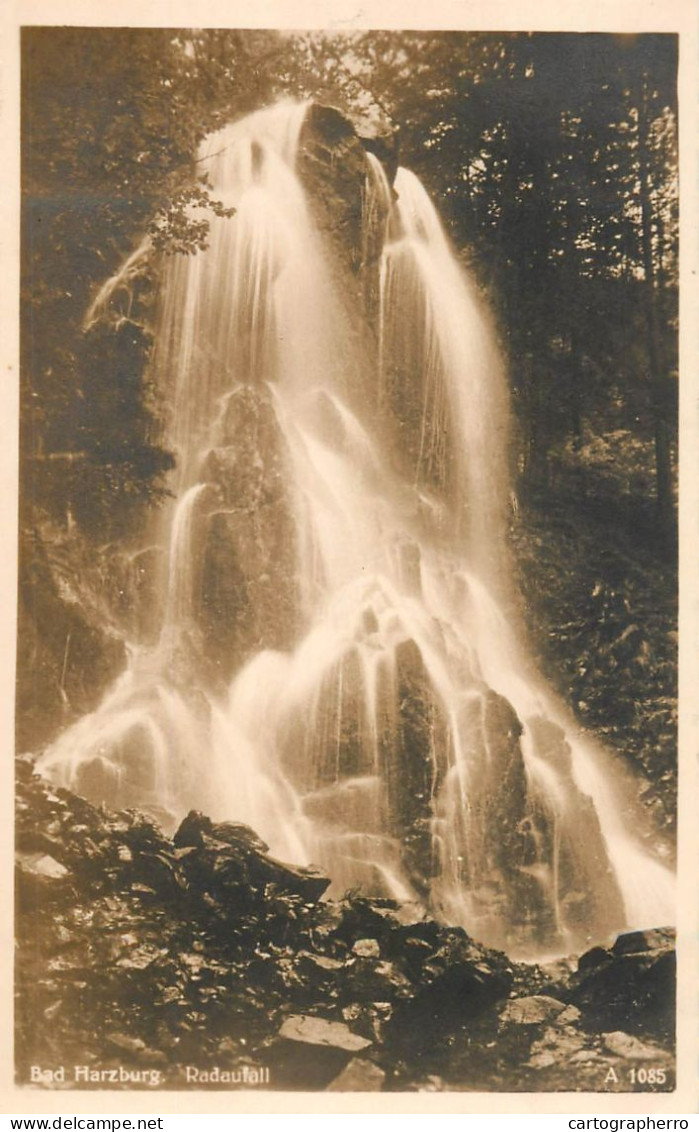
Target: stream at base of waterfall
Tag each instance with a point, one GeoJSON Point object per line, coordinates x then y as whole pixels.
{"type": "Point", "coordinates": [339, 663]}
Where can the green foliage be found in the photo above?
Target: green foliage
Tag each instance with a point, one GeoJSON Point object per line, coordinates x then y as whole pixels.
{"type": "Point", "coordinates": [174, 229]}
{"type": "Point", "coordinates": [604, 616]}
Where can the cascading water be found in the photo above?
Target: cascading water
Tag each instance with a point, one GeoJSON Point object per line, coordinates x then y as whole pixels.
{"type": "Point", "coordinates": [335, 665]}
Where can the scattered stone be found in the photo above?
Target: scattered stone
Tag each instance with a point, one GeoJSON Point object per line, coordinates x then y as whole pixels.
{"type": "Point", "coordinates": [143, 835]}
{"type": "Point", "coordinates": [369, 1019]}
{"type": "Point", "coordinates": [366, 949]}
{"type": "Point", "coordinates": [142, 889]}
{"type": "Point", "coordinates": [626, 1045]}
{"type": "Point", "coordinates": [532, 1010]}
{"type": "Point", "coordinates": [561, 1042]}
{"type": "Point", "coordinates": [367, 980]}
{"type": "Point", "coordinates": [386, 921]}
{"type": "Point", "coordinates": [40, 879]}
{"type": "Point", "coordinates": [307, 883]}
{"type": "Point", "coordinates": [125, 1043]}
{"type": "Point", "coordinates": [51, 1011]}
{"type": "Point", "coordinates": [359, 1076]}
{"type": "Point", "coordinates": [41, 865]}
{"type": "Point", "coordinates": [139, 959]}
{"type": "Point", "coordinates": [328, 918]}
{"type": "Point", "coordinates": [319, 964]}
{"type": "Point", "coordinates": [160, 873]}
{"type": "Point", "coordinates": [584, 1057]}
{"type": "Point", "coordinates": [310, 1052]}
{"type": "Point", "coordinates": [542, 1060]}
{"type": "Point", "coordinates": [317, 1032]}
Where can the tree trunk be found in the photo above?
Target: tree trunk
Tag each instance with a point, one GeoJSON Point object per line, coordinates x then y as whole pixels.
{"type": "Point", "coordinates": [656, 379]}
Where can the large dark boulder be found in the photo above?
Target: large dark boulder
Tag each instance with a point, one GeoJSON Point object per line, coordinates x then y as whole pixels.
{"type": "Point", "coordinates": [228, 859]}
{"type": "Point", "coordinates": [458, 981]}
{"type": "Point", "coordinates": [631, 986]}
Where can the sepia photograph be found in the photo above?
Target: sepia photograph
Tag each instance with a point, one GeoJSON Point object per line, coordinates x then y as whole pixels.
{"type": "Point", "coordinates": [347, 633]}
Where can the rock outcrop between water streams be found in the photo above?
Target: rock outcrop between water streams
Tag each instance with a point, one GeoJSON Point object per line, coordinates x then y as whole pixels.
{"type": "Point", "coordinates": [199, 961]}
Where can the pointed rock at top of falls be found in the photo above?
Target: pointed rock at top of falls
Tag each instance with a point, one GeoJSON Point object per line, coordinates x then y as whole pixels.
{"type": "Point", "coordinates": [333, 167]}
{"type": "Point", "coordinates": [329, 123]}
{"type": "Point", "coordinates": [380, 135]}
{"type": "Point", "coordinates": [376, 131]}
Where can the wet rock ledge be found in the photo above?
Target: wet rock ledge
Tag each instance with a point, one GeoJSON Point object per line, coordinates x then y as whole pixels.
{"type": "Point", "coordinates": [200, 961]}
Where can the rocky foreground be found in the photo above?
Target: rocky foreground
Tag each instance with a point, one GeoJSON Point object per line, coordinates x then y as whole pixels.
{"type": "Point", "coordinates": [201, 962]}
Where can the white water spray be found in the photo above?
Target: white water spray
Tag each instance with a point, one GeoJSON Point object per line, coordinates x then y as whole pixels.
{"type": "Point", "coordinates": [399, 738]}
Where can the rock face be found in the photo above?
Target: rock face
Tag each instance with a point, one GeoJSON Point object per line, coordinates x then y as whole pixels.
{"type": "Point", "coordinates": [68, 652]}
{"type": "Point", "coordinates": [333, 167]}
{"type": "Point", "coordinates": [410, 739]}
{"type": "Point", "coordinates": [248, 592]}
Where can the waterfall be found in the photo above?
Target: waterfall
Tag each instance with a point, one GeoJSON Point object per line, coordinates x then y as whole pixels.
{"type": "Point", "coordinates": [338, 664]}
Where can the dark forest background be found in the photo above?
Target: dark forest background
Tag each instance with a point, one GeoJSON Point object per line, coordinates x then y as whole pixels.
{"type": "Point", "coordinates": [553, 161]}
